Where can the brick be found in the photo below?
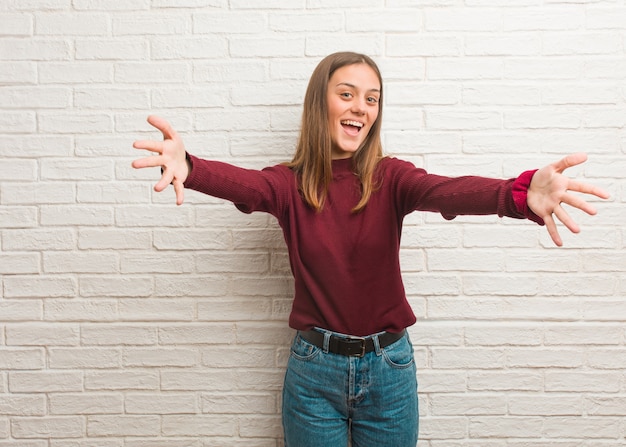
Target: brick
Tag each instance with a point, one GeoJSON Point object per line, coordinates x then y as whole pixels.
{"type": "Point", "coordinates": [441, 260]}
{"type": "Point", "coordinates": [86, 403]}
{"type": "Point", "coordinates": [270, 4]}
{"type": "Point", "coordinates": [255, 403]}
{"type": "Point", "coordinates": [19, 263]}
{"type": "Point", "coordinates": [220, 333]}
{"type": "Point", "coordinates": [34, 405]}
{"type": "Point", "coordinates": [580, 44]}
{"type": "Point", "coordinates": [80, 310]}
{"type": "Point", "coordinates": [229, 71]}
{"type": "Point", "coordinates": [126, 425]}
{"type": "Point", "coordinates": [222, 22]}
{"type": "Point", "coordinates": [462, 20]}
{"type": "Point", "coordinates": [406, 45]}
{"type": "Point", "coordinates": [17, 170]}
{"type": "Point", "coordinates": [98, 5]}
{"type": "Point", "coordinates": [545, 358]}
{"type": "Point", "coordinates": [508, 45]}
{"type": "Point", "coordinates": [560, 427]}
{"type": "Point", "coordinates": [75, 123]}
{"type": "Point", "coordinates": [498, 427]}
{"type": "Point", "coordinates": [264, 425]}
{"type": "Point", "coordinates": [267, 47]}
{"type": "Point", "coordinates": [36, 146]}
{"type": "Point", "coordinates": [322, 45]}
{"type": "Point", "coordinates": [112, 192]}
{"type": "Point", "coordinates": [587, 335]}
{"type": "Point", "coordinates": [111, 49]}
{"type": "Point", "coordinates": [577, 381]}
{"type": "Point", "coordinates": [155, 310]}
{"type": "Point", "coordinates": [396, 21]}
{"type": "Point", "coordinates": [49, 49]}
{"type": "Point", "coordinates": [24, 359]}
{"type": "Point", "coordinates": [188, 3]}
{"type": "Point", "coordinates": [546, 405]}
{"type": "Point", "coordinates": [164, 357]}
{"type": "Point", "coordinates": [315, 21]}
{"type": "Point", "coordinates": [122, 380]}
{"type": "Point", "coordinates": [143, 24]}
{"type": "Point", "coordinates": [120, 286]}
{"type": "Point", "coordinates": [408, 94]}
{"type": "Point", "coordinates": [48, 427]}
{"type": "Point", "coordinates": [42, 335]}
{"type": "Point", "coordinates": [72, 215]}
{"type": "Point", "coordinates": [113, 98]}
{"type": "Point", "coordinates": [218, 309]}
{"type": "Point", "coordinates": [542, 68]}
{"type": "Point", "coordinates": [460, 120]}
{"type": "Point", "coordinates": [170, 403]}
{"type": "Point", "coordinates": [39, 286]}
{"type": "Point", "coordinates": [503, 335]}
{"type": "Point", "coordinates": [73, 73]}
{"type": "Point", "coordinates": [203, 286]}
{"type": "Point", "coordinates": [84, 358]}
{"type": "Point", "coordinates": [206, 380]}
{"type": "Point", "coordinates": [157, 263]}
{"type": "Point", "coordinates": [34, 97]}
{"type": "Point", "coordinates": [36, 193]}
{"type": "Point", "coordinates": [16, 25]}
{"type": "Point", "coordinates": [133, 72]}
{"type": "Point", "coordinates": [453, 358]}
{"type": "Point", "coordinates": [63, 24]}
{"type": "Point", "coordinates": [18, 73]}
{"type": "Point", "coordinates": [468, 404]}
{"type": "Point", "coordinates": [20, 310]}
{"type": "Point", "coordinates": [568, 17]}
{"type": "Point", "coordinates": [45, 382]}
{"type": "Point", "coordinates": [182, 425]}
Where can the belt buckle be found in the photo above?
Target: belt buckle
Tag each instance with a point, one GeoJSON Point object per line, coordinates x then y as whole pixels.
{"type": "Point", "coordinates": [362, 346]}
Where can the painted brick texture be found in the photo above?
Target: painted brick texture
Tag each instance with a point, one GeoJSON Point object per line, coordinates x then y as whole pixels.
{"type": "Point", "coordinates": [126, 321]}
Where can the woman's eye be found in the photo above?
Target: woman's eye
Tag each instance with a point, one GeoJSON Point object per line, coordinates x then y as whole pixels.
{"type": "Point", "coordinates": [372, 100]}
{"type": "Point", "coordinates": [346, 95]}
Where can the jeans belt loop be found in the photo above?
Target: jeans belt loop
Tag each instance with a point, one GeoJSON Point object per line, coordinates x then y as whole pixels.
{"type": "Point", "coordinates": [326, 346]}
{"type": "Point", "coordinates": [377, 347]}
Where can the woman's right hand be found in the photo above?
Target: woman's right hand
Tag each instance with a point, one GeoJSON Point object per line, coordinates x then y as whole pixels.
{"type": "Point", "coordinates": [171, 157]}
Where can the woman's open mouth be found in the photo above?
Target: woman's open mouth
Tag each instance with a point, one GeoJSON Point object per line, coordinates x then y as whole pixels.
{"type": "Point", "coordinates": [351, 127]}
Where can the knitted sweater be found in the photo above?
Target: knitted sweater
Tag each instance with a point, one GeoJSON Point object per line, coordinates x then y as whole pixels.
{"type": "Point", "coordinates": [346, 265]}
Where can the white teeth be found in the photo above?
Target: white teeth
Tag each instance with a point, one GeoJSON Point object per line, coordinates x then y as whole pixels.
{"type": "Point", "coordinates": [352, 123]}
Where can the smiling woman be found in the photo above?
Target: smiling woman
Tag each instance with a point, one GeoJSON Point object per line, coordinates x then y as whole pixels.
{"type": "Point", "coordinates": [341, 204]}
{"type": "Point", "coordinates": [353, 107]}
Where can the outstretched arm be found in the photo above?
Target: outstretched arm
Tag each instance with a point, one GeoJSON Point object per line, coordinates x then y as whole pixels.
{"type": "Point", "coordinates": [171, 156]}
{"type": "Point", "coordinates": [549, 188]}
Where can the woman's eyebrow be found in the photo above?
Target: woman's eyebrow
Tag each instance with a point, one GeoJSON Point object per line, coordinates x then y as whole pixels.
{"type": "Point", "coordinates": [347, 84]}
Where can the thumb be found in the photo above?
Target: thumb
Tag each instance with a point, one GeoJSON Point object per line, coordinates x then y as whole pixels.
{"type": "Point", "coordinates": [163, 125]}
{"type": "Point", "coordinates": [569, 161]}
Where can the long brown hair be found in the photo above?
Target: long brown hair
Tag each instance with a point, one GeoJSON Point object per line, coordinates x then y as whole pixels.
{"type": "Point", "coordinates": [312, 160]}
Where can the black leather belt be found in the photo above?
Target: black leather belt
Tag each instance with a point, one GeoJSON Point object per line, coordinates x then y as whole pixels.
{"type": "Point", "coordinates": [351, 346]}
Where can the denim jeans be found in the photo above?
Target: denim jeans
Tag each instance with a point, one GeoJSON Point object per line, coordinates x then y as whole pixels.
{"type": "Point", "coordinates": [330, 398]}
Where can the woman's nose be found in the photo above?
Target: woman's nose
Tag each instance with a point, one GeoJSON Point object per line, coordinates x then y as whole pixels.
{"type": "Point", "coordinates": [359, 106]}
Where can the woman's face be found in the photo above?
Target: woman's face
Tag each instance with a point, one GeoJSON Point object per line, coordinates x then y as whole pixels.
{"type": "Point", "coordinates": [353, 96]}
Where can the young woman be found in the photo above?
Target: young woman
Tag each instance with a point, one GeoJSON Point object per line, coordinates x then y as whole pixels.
{"type": "Point", "coordinates": [340, 203]}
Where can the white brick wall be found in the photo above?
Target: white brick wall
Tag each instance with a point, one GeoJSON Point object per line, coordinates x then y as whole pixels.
{"type": "Point", "coordinates": [126, 321]}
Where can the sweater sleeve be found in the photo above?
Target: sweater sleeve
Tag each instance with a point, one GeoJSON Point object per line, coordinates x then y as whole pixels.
{"type": "Point", "coordinates": [249, 190]}
{"type": "Point", "coordinates": [468, 195]}
{"type": "Point", "coordinates": [520, 195]}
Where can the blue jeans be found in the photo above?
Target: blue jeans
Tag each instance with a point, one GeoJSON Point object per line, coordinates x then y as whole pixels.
{"type": "Point", "coordinates": [330, 398]}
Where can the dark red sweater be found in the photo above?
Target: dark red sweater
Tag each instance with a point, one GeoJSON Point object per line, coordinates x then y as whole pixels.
{"type": "Point", "coordinates": [346, 265]}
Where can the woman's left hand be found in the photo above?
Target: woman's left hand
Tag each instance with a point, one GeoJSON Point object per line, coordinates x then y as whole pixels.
{"type": "Point", "coordinates": [549, 189]}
